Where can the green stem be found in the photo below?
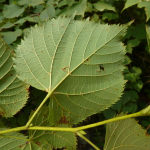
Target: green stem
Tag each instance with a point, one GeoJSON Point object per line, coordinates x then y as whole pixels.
{"type": "Point", "coordinates": [83, 137]}
{"type": "Point", "coordinates": [45, 99]}
{"type": "Point", "coordinates": [110, 120]}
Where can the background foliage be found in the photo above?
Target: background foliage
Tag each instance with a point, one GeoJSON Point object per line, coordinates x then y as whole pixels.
{"type": "Point", "coordinates": [16, 17]}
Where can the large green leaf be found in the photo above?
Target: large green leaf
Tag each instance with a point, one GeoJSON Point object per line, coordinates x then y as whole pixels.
{"type": "Point", "coordinates": [126, 134]}
{"type": "Point", "coordinates": [79, 61]}
{"type": "Point", "coordinates": [13, 92]}
{"type": "Point", "coordinates": [12, 10]}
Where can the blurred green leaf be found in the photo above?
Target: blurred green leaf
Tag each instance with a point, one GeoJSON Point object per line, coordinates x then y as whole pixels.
{"type": "Point", "coordinates": [95, 17]}
{"type": "Point", "coordinates": [129, 49]}
{"type": "Point", "coordinates": [148, 36]}
{"type": "Point", "coordinates": [125, 97]}
{"type": "Point", "coordinates": [31, 2]}
{"type": "Point", "coordinates": [7, 25]}
{"type": "Point", "coordinates": [133, 42]}
{"type": "Point", "coordinates": [130, 76]}
{"type": "Point", "coordinates": [79, 8]}
{"type": "Point", "coordinates": [39, 8]}
{"type": "Point", "coordinates": [138, 85]}
{"type": "Point", "coordinates": [110, 16]}
{"type": "Point", "coordinates": [130, 3]}
{"type": "Point", "coordinates": [145, 4]}
{"type": "Point", "coordinates": [137, 71]}
{"type": "Point", "coordinates": [22, 119]}
{"type": "Point", "coordinates": [134, 95]}
{"type": "Point", "coordinates": [127, 60]}
{"type": "Point", "coordinates": [10, 36]}
{"type": "Point", "coordinates": [117, 106]}
{"type": "Point", "coordinates": [139, 31]}
{"type": "Point", "coordinates": [101, 6]}
{"type": "Point", "coordinates": [109, 113]}
{"type": "Point", "coordinates": [145, 123]}
{"type": "Point", "coordinates": [89, 7]}
{"type": "Point", "coordinates": [47, 13]}
{"type": "Point", "coordinates": [12, 10]}
{"type": "Point", "coordinates": [130, 107]}
{"type": "Point", "coordinates": [1, 17]}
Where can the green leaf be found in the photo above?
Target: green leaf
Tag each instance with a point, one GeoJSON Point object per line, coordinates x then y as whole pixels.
{"type": "Point", "coordinates": [24, 19]}
{"type": "Point", "coordinates": [10, 36]}
{"type": "Point", "coordinates": [148, 36]}
{"type": "Point", "coordinates": [138, 85]}
{"type": "Point", "coordinates": [79, 8]}
{"type": "Point", "coordinates": [12, 10]}
{"type": "Point", "coordinates": [126, 134]}
{"type": "Point", "coordinates": [145, 4]}
{"type": "Point", "coordinates": [51, 139]}
{"type": "Point", "coordinates": [47, 13]}
{"type": "Point", "coordinates": [101, 6]}
{"type": "Point", "coordinates": [133, 42]}
{"type": "Point", "coordinates": [109, 113]}
{"type": "Point", "coordinates": [13, 92]}
{"type": "Point", "coordinates": [39, 8]}
{"type": "Point", "coordinates": [110, 16]}
{"type": "Point", "coordinates": [7, 25]}
{"type": "Point", "coordinates": [1, 17]}
{"type": "Point", "coordinates": [130, 107]}
{"type": "Point", "coordinates": [130, 3]}
{"type": "Point", "coordinates": [79, 61]}
{"type": "Point", "coordinates": [89, 7]}
{"type": "Point", "coordinates": [127, 60]}
{"type": "Point", "coordinates": [30, 2]}
{"type": "Point", "coordinates": [139, 31]}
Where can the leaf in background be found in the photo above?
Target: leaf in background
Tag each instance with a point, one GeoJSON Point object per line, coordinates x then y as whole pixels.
{"type": "Point", "coordinates": [101, 6]}
{"type": "Point", "coordinates": [79, 8]}
{"type": "Point", "coordinates": [13, 92]}
{"type": "Point", "coordinates": [7, 25]}
{"type": "Point", "coordinates": [130, 3]}
{"type": "Point", "coordinates": [79, 61]}
{"type": "Point", "coordinates": [10, 36]}
{"type": "Point", "coordinates": [47, 13]}
{"type": "Point", "coordinates": [145, 4]}
{"type": "Point", "coordinates": [1, 17]}
{"type": "Point", "coordinates": [12, 10]}
{"type": "Point", "coordinates": [51, 139]}
{"type": "Point", "coordinates": [30, 2]}
{"type": "Point", "coordinates": [24, 19]}
{"type": "Point", "coordinates": [139, 31]}
{"type": "Point", "coordinates": [110, 16]}
{"type": "Point", "coordinates": [126, 134]}
{"type": "Point", "coordinates": [148, 36]}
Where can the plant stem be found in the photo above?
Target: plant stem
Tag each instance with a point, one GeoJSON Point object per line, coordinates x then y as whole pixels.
{"type": "Point", "coordinates": [45, 99]}
{"type": "Point", "coordinates": [110, 120]}
{"type": "Point", "coordinates": [83, 137]}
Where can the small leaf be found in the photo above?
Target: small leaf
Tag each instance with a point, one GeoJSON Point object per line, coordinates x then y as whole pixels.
{"type": "Point", "coordinates": [79, 8]}
{"type": "Point", "coordinates": [127, 60]}
{"type": "Point", "coordinates": [109, 113]}
{"type": "Point", "coordinates": [126, 134]}
{"type": "Point", "coordinates": [12, 10]}
{"type": "Point", "coordinates": [139, 31]}
{"type": "Point", "coordinates": [7, 25]}
{"type": "Point", "coordinates": [101, 6]}
{"type": "Point", "coordinates": [130, 3]}
{"type": "Point", "coordinates": [10, 36]}
{"type": "Point", "coordinates": [138, 85]}
{"type": "Point", "coordinates": [31, 2]}
{"type": "Point", "coordinates": [47, 13]}
{"type": "Point", "coordinates": [133, 42]}
{"type": "Point", "coordinates": [110, 16]}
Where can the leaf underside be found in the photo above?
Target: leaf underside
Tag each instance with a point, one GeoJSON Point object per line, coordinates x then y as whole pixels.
{"type": "Point", "coordinates": [13, 92]}
{"type": "Point", "coordinates": [80, 61]}
{"type": "Point", "coordinates": [126, 134]}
